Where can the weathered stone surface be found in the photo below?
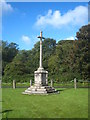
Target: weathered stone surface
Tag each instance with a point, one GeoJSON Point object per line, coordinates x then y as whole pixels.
{"type": "Point", "coordinates": [40, 77]}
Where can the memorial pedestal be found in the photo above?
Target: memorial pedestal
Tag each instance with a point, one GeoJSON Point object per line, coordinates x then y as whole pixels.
{"type": "Point", "coordinates": [41, 77]}
{"type": "Point", "coordinates": [41, 83]}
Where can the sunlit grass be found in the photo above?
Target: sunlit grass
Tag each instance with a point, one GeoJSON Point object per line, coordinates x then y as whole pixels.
{"type": "Point", "coordinates": [70, 103]}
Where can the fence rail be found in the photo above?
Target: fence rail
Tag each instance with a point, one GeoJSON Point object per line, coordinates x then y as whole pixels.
{"type": "Point", "coordinates": [75, 85]}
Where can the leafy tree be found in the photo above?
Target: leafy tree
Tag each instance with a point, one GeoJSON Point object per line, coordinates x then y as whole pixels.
{"type": "Point", "coordinates": [9, 51]}
{"type": "Point", "coordinates": [83, 44]}
{"type": "Point", "coordinates": [84, 33]}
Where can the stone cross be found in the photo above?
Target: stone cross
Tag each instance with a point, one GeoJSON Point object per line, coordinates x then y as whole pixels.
{"type": "Point", "coordinates": [40, 78]}
{"type": "Point", "coordinates": [40, 48]}
{"type": "Point", "coordinates": [75, 83]}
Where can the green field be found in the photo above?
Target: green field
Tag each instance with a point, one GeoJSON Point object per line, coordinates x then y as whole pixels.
{"type": "Point", "coordinates": [70, 103]}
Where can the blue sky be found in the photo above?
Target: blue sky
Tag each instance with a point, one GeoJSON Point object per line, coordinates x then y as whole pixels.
{"type": "Point", "coordinates": [22, 21]}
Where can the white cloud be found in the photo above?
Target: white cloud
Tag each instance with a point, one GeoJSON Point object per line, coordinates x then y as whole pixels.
{"type": "Point", "coordinates": [78, 16]}
{"type": "Point", "coordinates": [6, 7]}
{"type": "Point", "coordinates": [26, 39]}
{"type": "Point", "coordinates": [70, 38]}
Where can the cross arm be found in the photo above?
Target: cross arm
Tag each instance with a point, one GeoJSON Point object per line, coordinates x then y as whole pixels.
{"type": "Point", "coordinates": [40, 37]}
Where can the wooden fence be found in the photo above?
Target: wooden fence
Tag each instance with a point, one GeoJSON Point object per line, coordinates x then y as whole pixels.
{"type": "Point", "coordinates": [72, 84]}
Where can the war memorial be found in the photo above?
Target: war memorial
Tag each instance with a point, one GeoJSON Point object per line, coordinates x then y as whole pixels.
{"type": "Point", "coordinates": [40, 78]}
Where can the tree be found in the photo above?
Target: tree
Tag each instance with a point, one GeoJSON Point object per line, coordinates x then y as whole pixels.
{"type": "Point", "coordinates": [17, 69]}
{"type": "Point", "coordinates": [9, 51]}
{"type": "Point", "coordinates": [84, 33]}
{"type": "Point", "coordinates": [83, 44]}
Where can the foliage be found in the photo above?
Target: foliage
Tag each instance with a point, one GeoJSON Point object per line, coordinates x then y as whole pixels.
{"type": "Point", "coordinates": [9, 51]}
{"type": "Point", "coordinates": [83, 45]}
{"type": "Point", "coordinates": [64, 61]}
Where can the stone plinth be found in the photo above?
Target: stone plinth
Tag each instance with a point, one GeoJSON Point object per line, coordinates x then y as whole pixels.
{"type": "Point", "coordinates": [41, 77]}
{"type": "Point", "coordinates": [41, 83]}
{"type": "Point", "coordinates": [40, 90]}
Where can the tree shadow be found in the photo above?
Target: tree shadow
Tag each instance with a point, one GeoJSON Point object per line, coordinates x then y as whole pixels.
{"type": "Point", "coordinates": [6, 111]}
{"type": "Point", "coordinates": [2, 101]}
{"type": "Point", "coordinates": [60, 90]}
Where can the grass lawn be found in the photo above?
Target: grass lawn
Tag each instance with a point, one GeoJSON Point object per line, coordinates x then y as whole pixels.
{"type": "Point", "coordinates": [70, 103]}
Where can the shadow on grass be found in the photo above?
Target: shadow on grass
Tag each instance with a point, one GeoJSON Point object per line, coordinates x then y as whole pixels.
{"type": "Point", "coordinates": [6, 111]}
{"type": "Point", "coordinates": [60, 90]}
{"type": "Point", "coordinates": [1, 101]}
{"type": "Point", "coordinates": [5, 114]}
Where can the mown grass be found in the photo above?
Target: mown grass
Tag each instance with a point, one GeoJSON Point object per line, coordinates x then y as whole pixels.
{"type": "Point", "coordinates": [70, 103]}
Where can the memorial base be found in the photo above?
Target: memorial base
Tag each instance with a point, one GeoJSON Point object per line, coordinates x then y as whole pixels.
{"type": "Point", "coordinates": [40, 90]}
{"type": "Point", "coordinates": [41, 84]}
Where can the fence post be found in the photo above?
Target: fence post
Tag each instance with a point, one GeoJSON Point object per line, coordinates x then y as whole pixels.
{"type": "Point", "coordinates": [30, 83]}
{"type": "Point", "coordinates": [75, 83]}
{"type": "Point", "coordinates": [14, 84]}
{"type": "Point", "coordinates": [51, 83]}
{"type": "Point", "coordinates": [0, 83]}
{"type": "Point", "coordinates": [46, 79]}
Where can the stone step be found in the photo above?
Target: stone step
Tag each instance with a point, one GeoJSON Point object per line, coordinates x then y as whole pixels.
{"type": "Point", "coordinates": [40, 90]}
{"type": "Point", "coordinates": [34, 92]}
